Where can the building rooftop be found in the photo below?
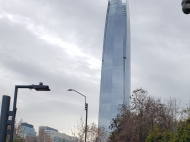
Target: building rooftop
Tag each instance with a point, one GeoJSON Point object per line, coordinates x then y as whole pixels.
{"type": "Point", "coordinates": [27, 125]}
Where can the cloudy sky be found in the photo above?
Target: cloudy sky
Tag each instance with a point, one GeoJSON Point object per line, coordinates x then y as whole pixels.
{"type": "Point", "coordinates": [59, 43]}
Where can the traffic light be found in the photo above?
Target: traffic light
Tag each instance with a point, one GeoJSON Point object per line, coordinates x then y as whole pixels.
{"type": "Point", "coordinates": [186, 6]}
{"type": "Point", "coordinates": [86, 106]}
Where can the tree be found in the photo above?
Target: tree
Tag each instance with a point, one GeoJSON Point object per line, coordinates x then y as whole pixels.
{"type": "Point", "coordinates": [17, 136]}
{"type": "Point", "coordinates": [164, 135]}
{"type": "Point", "coordinates": [123, 126]}
{"type": "Point", "coordinates": [159, 134]}
{"type": "Point", "coordinates": [183, 132]}
{"type": "Point", "coordinates": [134, 124]}
{"type": "Point", "coordinates": [30, 139]}
{"type": "Point", "coordinates": [102, 135]}
{"type": "Point", "coordinates": [93, 132]}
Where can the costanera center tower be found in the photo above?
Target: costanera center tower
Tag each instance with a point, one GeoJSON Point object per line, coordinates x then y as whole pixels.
{"type": "Point", "coordinates": [116, 68]}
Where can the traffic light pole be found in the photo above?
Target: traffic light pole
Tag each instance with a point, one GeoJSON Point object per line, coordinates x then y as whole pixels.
{"type": "Point", "coordinates": [5, 113]}
{"type": "Point", "coordinates": [86, 108]}
{"type": "Point", "coordinates": [14, 111]}
{"type": "Point", "coordinates": [4, 118]}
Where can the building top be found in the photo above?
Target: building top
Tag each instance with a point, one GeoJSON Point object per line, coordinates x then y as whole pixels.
{"type": "Point", "coordinates": [27, 125]}
{"type": "Point", "coordinates": [48, 128]}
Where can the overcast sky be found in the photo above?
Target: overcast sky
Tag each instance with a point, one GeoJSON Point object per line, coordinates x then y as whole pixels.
{"type": "Point", "coordinates": [59, 43]}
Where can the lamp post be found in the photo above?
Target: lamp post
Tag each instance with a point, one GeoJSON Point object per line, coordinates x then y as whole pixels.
{"type": "Point", "coordinates": [39, 87]}
{"type": "Point", "coordinates": [86, 108]}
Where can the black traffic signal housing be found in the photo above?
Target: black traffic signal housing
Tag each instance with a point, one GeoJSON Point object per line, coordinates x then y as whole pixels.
{"type": "Point", "coordinates": [86, 106]}
{"type": "Point", "coordinates": [186, 6]}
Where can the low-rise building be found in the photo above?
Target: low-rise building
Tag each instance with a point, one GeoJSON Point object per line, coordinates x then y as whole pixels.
{"type": "Point", "coordinates": [46, 132]}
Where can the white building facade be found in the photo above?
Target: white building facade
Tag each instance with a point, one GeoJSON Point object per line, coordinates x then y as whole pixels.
{"type": "Point", "coordinates": [56, 136]}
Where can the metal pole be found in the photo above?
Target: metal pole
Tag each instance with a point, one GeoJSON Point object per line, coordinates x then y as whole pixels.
{"type": "Point", "coordinates": [86, 108]}
{"type": "Point", "coordinates": [14, 114]}
{"type": "Point", "coordinates": [80, 94]}
{"type": "Point", "coordinates": [4, 117]}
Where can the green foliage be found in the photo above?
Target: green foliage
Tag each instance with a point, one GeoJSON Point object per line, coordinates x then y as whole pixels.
{"type": "Point", "coordinates": [18, 139]}
{"type": "Point", "coordinates": [164, 135]}
{"type": "Point", "coordinates": [183, 132]}
{"type": "Point", "coordinates": [160, 135]}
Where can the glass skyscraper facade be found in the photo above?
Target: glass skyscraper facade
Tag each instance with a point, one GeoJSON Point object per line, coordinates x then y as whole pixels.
{"type": "Point", "coordinates": [27, 130]}
{"type": "Point", "coordinates": [115, 75]}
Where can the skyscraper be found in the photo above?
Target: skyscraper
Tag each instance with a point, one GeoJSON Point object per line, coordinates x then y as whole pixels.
{"type": "Point", "coordinates": [115, 75]}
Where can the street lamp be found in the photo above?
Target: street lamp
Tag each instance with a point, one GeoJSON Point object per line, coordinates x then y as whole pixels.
{"type": "Point", "coordinates": [39, 87]}
{"type": "Point", "coordinates": [86, 108]}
